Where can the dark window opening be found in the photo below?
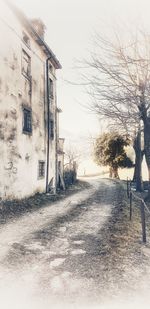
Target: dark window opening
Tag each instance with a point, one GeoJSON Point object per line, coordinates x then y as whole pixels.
{"type": "Point", "coordinates": [26, 39]}
{"type": "Point", "coordinates": [51, 68]}
{"type": "Point", "coordinates": [51, 90]}
{"type": "Point", "coordinates": [27, 120]}
{"type": "Point", "coordinates": [51, 129]}
{"type": "Point", "coordinates": [41, 171]}
{"type": "Point", "coordinates": [26, 65]}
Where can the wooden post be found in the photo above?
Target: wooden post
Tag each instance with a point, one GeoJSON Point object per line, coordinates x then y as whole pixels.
{"type": "Point", "coordinates": [128, 188]}
{"type": "Point", "coordinates": [143, 222]}
{"type": "Point", "coordinates": [130, 205]}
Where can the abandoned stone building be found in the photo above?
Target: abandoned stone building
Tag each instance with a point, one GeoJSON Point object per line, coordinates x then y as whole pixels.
{"type": "Point", "coordinates": [30, 154]}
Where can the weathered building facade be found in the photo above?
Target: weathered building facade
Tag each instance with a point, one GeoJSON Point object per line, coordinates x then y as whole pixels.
{"type": "Point", "coordinates": [28, 107]}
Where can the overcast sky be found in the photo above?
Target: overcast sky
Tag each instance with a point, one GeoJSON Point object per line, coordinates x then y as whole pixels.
{"type": "Point", "coordinates": [70, 26]}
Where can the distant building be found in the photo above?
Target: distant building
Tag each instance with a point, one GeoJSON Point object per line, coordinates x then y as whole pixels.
{"type": "Point", "coordinates": [28, 107]}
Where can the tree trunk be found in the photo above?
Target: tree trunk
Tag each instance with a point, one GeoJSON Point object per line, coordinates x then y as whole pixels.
{"type": "Point", "coordinates": [138, 162]}
{"type": "Point", "coordinates": [147, 148]}
{"type": "Point", "coordinates": [110, 172]}
{"type": "Point", "coordinates": [115, 172]}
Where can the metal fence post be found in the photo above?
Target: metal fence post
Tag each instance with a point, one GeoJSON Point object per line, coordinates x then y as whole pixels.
{"type": "Point", "coordinates": [143, 222]}
{"type": "Point", "coordinates": [130, 184]}
{"type": "Point", "coordinates": [130, 205]}
{"type": "Point", "coordinates": [127, 187]}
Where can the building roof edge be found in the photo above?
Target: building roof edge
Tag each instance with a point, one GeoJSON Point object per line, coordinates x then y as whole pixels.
{"type": "Point", "coordinates": [22, 17]}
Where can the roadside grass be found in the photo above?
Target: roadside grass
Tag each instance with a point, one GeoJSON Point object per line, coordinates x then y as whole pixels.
{"type": "Point", "coordinates": [121, 242]}
{"type": "Point", "coordinates": [17, 208]}
{"type": "Point", "coordinates": [123, 258]}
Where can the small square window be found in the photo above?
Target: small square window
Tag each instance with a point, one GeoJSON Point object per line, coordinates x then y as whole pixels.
{"type": "Point", "coordinates": [27, 121]}
{"type": "Point", "coordinates": [26, 65]}
{"type": "Point", "coordinates": [41, 171]}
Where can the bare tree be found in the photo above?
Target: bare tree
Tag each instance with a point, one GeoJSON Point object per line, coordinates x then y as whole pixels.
{"type": "Point", "coordinates": [118, 79]}
{"type": "Point", "coordinates": [72, 157]}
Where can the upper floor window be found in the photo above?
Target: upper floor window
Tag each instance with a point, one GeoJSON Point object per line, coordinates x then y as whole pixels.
{"type": "Point", "coordinates": [27, 120]}
{"type": "Point", "coordinates": [26, 39]}
{"type": "Point", "coordinates": [51, 68]}
{"type": "Point", "coordinates": [51, 129]}
{"type": "Point", "coordinates": [51, 88]}
{"type": "Point", "coordinates": [26, 64]}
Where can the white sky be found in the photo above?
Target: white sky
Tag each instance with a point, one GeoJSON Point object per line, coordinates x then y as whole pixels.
{"type": "Point", "coordinates": [70, 25]}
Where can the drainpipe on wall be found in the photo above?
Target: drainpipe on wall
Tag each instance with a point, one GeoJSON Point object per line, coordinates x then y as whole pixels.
{"type": "Point", "coordinates": [48, 123]}
{"type": "Point", "coordinates": [56, 147]}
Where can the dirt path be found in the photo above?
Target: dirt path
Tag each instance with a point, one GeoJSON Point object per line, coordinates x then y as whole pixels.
{"type": "Point", "coordinates": [76, 253]}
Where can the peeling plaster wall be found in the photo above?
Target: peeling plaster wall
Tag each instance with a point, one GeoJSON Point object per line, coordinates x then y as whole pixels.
{"type": "Point", "coordinates": [21, 152]}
